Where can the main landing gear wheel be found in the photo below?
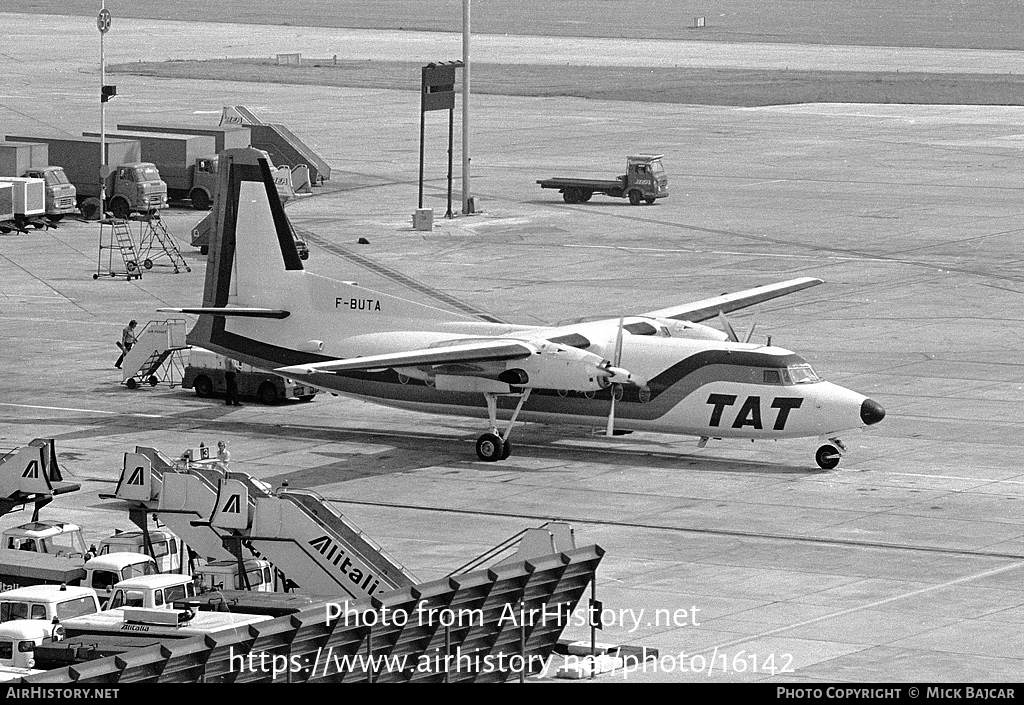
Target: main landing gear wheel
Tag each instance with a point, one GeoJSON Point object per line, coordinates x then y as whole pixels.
{"type": "Point", "coordinates": [490, 447]}
{"type": "Point", "coordinates": [827, 457]}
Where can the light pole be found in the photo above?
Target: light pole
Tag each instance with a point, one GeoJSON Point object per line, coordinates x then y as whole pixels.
{"type": "Point", "coordinates": [103, 23]}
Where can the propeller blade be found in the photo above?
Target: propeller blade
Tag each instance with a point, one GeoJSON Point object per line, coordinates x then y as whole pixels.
{"type": "Point", "coordinates": [617, 359]}
{"type": "Point", "coordinates": [750, 333]}
{"type": "Point", "coordinates": [610, 430]}
{"type": "Point", "coordinates": [730, 331]}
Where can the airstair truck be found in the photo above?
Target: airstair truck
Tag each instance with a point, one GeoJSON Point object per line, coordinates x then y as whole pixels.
{"type": "Point", "coordinates": [187, 163]}
{"type": "Point", "coordinates": [31, 160]}
{"type": "Point", "coordinates": [132, 186]}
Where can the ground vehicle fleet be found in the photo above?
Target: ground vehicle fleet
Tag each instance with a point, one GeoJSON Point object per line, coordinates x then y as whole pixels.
{"type": "Point", "coordinates": [132, 186]}
{"type": "Point", "coordinates": [31, 160]}
{"type": "Point", "coordinates": [644, 181]}
{"type": "Point", "coordinates": [205, 373]}
{"type": "Point", "coordinates": [187, 163]}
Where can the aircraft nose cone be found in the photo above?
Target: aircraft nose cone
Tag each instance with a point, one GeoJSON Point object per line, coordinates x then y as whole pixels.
{"type": "Point", "coordinates": [871, 412]}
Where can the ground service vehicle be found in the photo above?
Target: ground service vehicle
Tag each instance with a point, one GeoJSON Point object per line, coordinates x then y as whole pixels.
{"type": "Point", "coordinates": [48, 601]}
{"type": "Point", "coordinates": [19, 640]}
{"type": "Point", "coordinates": [152, 591]}
{"type": "Point", "coordinates": [29, 200]}
{"type": "Point", "coordinates": [31, 160]}
{"type": "Point", "coordinates": [174, 624]}
{"type": "Point", "coordinates": [205, 373]}
{"type": "Point", "coordinates": [223, 575]}
{"type": "Point", "coordinates": [56, 538]}
{"type": "Point", "coordinates": [167, 548]}
{"type": "Point", "coordinates": [132, 186]}
{"type": "Point", "coordinates": [22, 569]}
{"type": "Point", "coordinates": [187, 163]}
{"type": "Point", "coordinates": [201, 237]}
{"type": "Point", "coordinates": [644, 180]}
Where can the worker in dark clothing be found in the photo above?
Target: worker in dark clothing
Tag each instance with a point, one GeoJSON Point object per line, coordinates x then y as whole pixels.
{"type": "Point", "coordinates": [127, 342]}
{"type": "Point", "coordinates": [231, 380]}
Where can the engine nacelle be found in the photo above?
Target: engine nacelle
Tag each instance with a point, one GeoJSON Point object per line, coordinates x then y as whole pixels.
{"type": "Point", "coordinates": [558, 367]}
{"type": "Point", "coordinates": [688, 329]}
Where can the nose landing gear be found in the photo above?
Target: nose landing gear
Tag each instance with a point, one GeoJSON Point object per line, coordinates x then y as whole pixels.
{"type": "Point", "coordinates": [827, 456]}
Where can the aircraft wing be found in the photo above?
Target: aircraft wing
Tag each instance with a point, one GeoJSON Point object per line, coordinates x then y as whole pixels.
{"type": "Point", "coordinates": [709, 308]}
{"type": "Point", "coordinates": [492, 350]}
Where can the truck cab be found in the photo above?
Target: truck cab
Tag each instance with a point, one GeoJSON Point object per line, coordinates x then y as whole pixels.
{"type": "Point", "coordinates": [152, 592]}
{"type": "Point", "coordinates": [167, 547]}
{"type": "Point", "coordinates": [203, 183]}
{"type": "Point", "coordinates": [47, 601]}
{"type": "Point", "coordinates": [205, 373]}
{"type": "Point", "coordinates": [56, 538]}
{"type": "Point", "coordinates": [223, 575]}
{"type": "Point", "coordinates": [645, 178]}
{"type": "Point", "coordinates": [19, 639]}
{"type": "Point", "coordinates": [136, 187]}
{"type": "Point", "coordinates": [103, 572]}
{"type": "Point", "coordinates": [61, 195]}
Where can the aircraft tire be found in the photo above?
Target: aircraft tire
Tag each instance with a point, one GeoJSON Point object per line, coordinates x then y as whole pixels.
{"type": "Point", "coordinates": [489, 447]}
{"type": "Point", "coordinates": [506, 450]}
{"type": "Point", "coordinates": [827, 457]}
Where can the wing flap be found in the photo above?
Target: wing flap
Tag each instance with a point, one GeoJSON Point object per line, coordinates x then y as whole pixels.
{"type": "Point", "coordinates": [478, 351]}
{"type": "Point", "coordinates": [709, 308]}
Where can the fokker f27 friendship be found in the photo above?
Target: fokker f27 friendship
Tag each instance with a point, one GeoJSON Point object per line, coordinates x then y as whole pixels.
{"type": "Point", "coordinates": [659, 371]}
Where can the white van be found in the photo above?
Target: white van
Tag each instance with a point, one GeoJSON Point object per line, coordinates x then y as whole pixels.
{"type": "Point", "coordinates": [47, 601]}
{"type": "Point", "coordinates": [167, 547]}
{"type": "Point", "coordinates": [152, 591]}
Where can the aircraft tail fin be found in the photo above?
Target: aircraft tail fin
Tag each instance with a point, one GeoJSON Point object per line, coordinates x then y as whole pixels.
{"type": "Point", "coordinates": [260, 305]}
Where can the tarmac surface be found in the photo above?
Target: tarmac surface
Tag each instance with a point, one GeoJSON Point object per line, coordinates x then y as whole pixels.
{"type": "Point", "coordinates": [906, 563]}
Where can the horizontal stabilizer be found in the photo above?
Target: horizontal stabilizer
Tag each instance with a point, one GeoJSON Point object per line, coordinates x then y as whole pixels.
{"type": "Point", "coordinates": [480, 351]}
{"type": "Point", "coordinates": [709, 308]}
{"type": "Point", "coordinates": [232, 311]}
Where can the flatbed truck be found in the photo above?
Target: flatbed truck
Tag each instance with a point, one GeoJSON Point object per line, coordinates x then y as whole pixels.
{"type": "Point", "coordinates": [644, 181]}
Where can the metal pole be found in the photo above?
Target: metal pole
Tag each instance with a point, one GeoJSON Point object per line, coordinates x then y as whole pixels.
{"type": "Point", "coordinates": [423, 114]}
{"type": "Point", "coordinates": [451, 148]}
{"type": "Point", "coordinates": [103, 123]}
{"type": "Point", "coordinates": [465, 107]}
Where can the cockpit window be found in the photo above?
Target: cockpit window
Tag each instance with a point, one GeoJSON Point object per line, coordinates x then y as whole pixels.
{"type": "Point", "coordinates": [794, 374]}
{"type": "Point", "coordinates": [802, 374]}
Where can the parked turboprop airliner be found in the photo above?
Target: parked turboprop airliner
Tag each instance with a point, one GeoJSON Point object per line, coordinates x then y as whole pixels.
{"type": "Point", "coordinates": [657, 371]}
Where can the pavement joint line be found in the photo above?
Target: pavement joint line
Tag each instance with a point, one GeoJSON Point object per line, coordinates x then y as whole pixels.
{"type": "Point", "coordinates": [861, 608]}
{"type": "Point", "coordinates": [819, 540]}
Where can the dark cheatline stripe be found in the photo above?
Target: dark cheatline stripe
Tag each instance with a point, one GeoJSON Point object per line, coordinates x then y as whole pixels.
{"type": "Point", "coordinates": [399, 278]}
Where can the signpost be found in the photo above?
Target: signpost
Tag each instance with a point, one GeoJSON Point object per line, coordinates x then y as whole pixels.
{"type": "Point", "coordinates": [437, 92]}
